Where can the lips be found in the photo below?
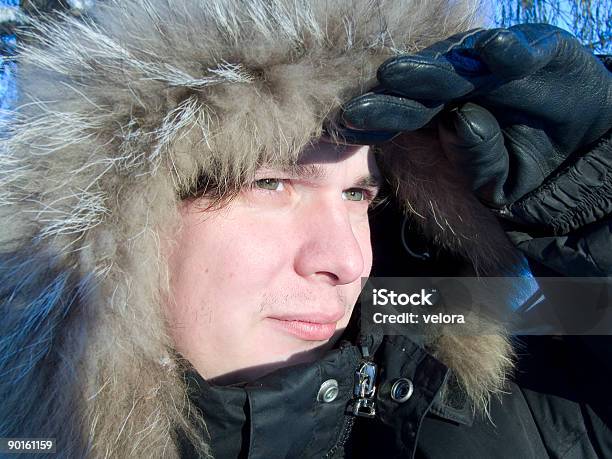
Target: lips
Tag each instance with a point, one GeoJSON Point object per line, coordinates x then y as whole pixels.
{"type": "Point", "coordinates": [305, 330]}
{"type": "Point", "coordinates": [309, 326]}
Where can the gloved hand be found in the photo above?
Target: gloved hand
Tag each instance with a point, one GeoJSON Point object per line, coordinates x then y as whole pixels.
{"type": "Point", "coordinates": [525, 112]}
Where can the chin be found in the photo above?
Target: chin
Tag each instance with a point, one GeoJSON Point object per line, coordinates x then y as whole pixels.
{"type": "Point", "coordinates": [302, 353]}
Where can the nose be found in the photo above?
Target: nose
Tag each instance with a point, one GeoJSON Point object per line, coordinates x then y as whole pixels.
{"type": "Point", "coordinates": [329, 247]}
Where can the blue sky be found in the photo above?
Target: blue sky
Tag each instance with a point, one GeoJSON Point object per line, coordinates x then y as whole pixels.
{"type": "Point", "coordinates": [564, 17]}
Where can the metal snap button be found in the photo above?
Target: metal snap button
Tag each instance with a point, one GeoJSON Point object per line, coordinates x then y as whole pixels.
{"type": "Point", "coordinates": [328, 391]}
{"type": "Point", "coordinates": [402, 390]}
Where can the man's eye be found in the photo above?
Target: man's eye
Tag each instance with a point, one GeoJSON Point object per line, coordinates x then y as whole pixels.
{"type": "Point", "coordinates": [355, 194]}
{"type": "Point", "coordinates": [270, 184]}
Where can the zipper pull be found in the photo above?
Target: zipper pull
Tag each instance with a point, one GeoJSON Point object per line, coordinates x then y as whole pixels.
{"type": "Point", "coordinates": [365, 388]}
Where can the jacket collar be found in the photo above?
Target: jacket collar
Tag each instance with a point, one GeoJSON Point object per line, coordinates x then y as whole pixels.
{"type": "Point", "coordinates": [281, 414]}
{"type": "Point", "coordinates": [278, 415]}
{"type": "Point", "coordinates": [456, 406]}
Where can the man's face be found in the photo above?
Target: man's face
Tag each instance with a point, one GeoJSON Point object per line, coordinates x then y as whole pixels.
{"type": "Point", "coordinates": [271, 279]}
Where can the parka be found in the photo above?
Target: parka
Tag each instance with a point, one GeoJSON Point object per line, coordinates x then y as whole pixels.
{"type": "Point", "coordinates": [120, 115]}
{"type": "Point", "coordinates": [284, 415]}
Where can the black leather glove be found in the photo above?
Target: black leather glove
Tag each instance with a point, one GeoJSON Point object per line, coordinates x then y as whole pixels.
{"type": "Point", "coordinates": [525, 112]}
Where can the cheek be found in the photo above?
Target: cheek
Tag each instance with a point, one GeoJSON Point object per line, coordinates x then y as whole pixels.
{"type": "Point", "coordinates": [255, 251]}
{"type": "Point", "coordinates": [225, 258]}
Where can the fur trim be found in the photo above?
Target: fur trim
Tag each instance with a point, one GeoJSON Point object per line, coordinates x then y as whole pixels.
{"type": "Point", "coordinates": [119, 115]}
{"type": "Point", "coordinates": [437, 200]}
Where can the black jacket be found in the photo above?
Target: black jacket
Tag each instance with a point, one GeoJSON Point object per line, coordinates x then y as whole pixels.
{"type": "Point", "coordinates": [556, 407]}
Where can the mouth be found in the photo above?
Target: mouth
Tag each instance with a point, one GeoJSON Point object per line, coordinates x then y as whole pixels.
{"type": "Point", "coordinates": [304, 329]}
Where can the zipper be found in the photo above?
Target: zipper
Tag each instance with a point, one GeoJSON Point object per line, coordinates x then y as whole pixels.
{"type": "Point", "coordinates": [363, 403]}
{"type": "Point", "coordinates": [344, 436]}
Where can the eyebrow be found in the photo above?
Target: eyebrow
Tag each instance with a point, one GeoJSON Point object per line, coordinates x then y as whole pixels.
{"type": "Point", "coordinates": [369, 181]}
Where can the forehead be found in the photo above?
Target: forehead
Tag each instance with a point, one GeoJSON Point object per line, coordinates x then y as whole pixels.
{"type": "Point", "coordinates": [322, 159]}
{"type": "Point", "coordinates": [324, 152]}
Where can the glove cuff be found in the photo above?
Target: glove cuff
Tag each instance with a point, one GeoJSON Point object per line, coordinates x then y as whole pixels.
{"type": "Point", "coordinates": [578, 195]}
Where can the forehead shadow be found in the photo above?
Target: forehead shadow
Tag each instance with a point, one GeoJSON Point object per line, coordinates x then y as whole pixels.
{"type": "Point", "coordinates": [311, 162]}
{"type": "Point", "coordinates": [324, 152]}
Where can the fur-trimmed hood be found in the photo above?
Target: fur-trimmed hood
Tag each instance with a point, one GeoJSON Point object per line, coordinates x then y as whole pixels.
{"type": "Point", "coordinates": [119, 115]}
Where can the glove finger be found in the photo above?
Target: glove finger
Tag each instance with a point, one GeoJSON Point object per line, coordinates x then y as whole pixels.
{"type": "Point", "coordinates": [436, 73]}
{"type": "Point", "coordinates": [381, 112]}
{"type": "Point", "coordinates": [464, 63]}
{"type": "Point", "coordinates": [432, 77]}
{"type": "Point", "coordinates": [472, 140]}
{"type": "Point", "coordinates": [427, 78]}
{"type": "Point", "coordinates": [442, 47]}
{"type": "Point", "coordinates": [516, 52]}
{"type": "Point", "coordinates": [355, 137]}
